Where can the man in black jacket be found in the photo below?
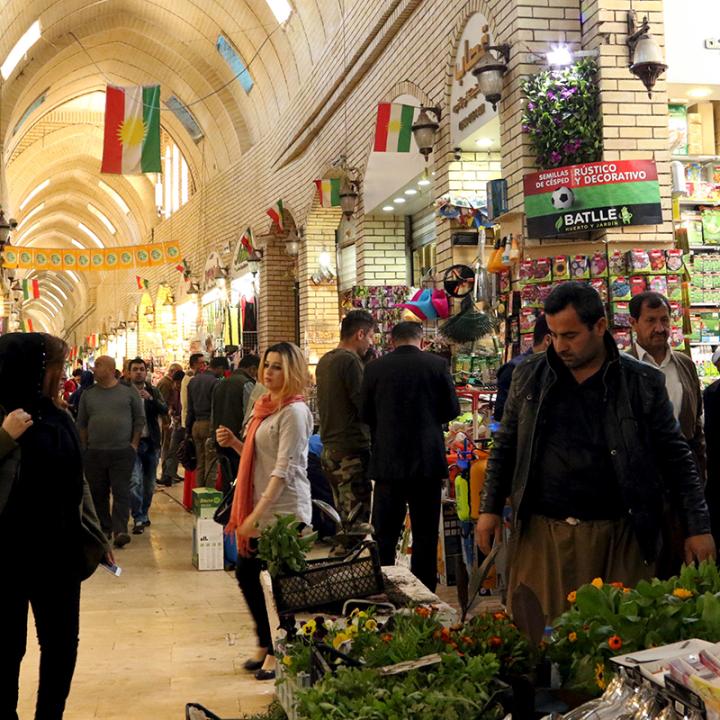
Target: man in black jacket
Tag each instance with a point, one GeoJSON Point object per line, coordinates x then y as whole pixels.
{"type": "Point", "coordinates": [406, 397]}
{"type": "Point", "coordinates": [142, 482]}
{"type": "Point", "coordinates": [588, 447]}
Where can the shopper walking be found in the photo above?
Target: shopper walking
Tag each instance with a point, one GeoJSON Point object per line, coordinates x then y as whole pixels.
{"type": "Point", "coordinates": [196, 364]}
{"type": "Point", "coordinates": [272, 479]}
{"type": "Point", "coordinates": [144, 474]}
{"type": "Point", "coordinates": [345, 437]}
{"type": "Point", "coordinates": [587, 448]}
{"type": "Point", "coordinates": [199, 399]}
{"type": "Point", "coordinates": [170, 463]}
{"type": "Point", "coordinates": [43, 500]}
{"type": "Point", "coordinates": [230, 401]}
{"type": "Point", "coordinates": [407, 396]}
{"type": "Point", "coordinates": [165, 388]}
{"type": "Point", "coordinates": [87, 380]}
{"type": "Point", "coordinates": [110, 421]}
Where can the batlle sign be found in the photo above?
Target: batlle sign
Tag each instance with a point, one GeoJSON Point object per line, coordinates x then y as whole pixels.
{"type": "Point", "coordinates": [577, 198]}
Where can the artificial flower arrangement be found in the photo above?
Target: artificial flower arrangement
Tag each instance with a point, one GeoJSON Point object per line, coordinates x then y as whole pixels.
{"type": "Point", "coordinates": [607, 619]}
{"type": "Point", "coordinates": [468, 657]}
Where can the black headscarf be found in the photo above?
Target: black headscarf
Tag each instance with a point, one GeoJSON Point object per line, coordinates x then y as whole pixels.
{"type": "Point", "coordinates": [22, 371]}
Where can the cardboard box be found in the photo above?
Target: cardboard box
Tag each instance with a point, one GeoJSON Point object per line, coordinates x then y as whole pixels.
{"type": "Point", "coordinates": [207, 545]}
{"type": "Point", "coordinates": [205, 501]}
{"type": "Point", "coordinates": [707, 125]}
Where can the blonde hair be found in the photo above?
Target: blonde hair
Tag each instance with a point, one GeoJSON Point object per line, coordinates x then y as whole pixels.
{"type": "Point", "coordinates": [295, 369]}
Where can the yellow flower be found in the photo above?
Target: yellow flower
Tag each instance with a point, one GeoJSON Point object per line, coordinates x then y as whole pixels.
{"type": "Point", "coordinates": [362, 614]}
{"type": "Point", "coordinates": [682, 593]}
{"type": "Point", "coordinates": [309, 628]}
{"type": "Point", "coordinates": [598, 583]}
{"type": "Point", "coordinates": [572, 637]}
{"type": "Point", "coordinates": [371, 625]}
{"type": "Point", "coordinates": [339, 639]}
{"type": "Point", "coordinates": [287, 661]}
{"type": "Point", "coordinates": [600, 676]}
{"type": "Point", "coordinates": [572, 597]}
{"type": "Point", "coordinates": [351, 630]}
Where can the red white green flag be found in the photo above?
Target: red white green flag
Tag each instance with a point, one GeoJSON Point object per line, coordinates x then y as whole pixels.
{"type": "Point", "coordinates": [27, 325]}
{"type": "Point", "coordinates": [276, 214]}
{"type": "Point", "coordinates": [329, 191]}
{"type": "Point", "coordinates": [31, 289]}
{"type": "Point", "coordinates": [142, 283]}
{"type": "Point", "coordinates": [393, 127]}
{"type": "Point", "coordinates": [247, 241]}
{"type": "Point", "coordinates": [132, 130]}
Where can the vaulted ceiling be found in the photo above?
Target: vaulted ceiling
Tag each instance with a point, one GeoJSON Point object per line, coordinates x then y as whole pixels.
{"type": "Point", "coordinates": [85, 46]}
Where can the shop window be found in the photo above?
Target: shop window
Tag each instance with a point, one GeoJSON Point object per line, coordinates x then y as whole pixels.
{"type": "Point", "coordinates": [347, 267]}
{"type": "Point", "coordinates": [186, 118]}
{"type": "Point", "coordinates": [34, 105]}
{"type": "Point", "coordinates": [424, 243]}
{"type": "Point", "coordinates": [424, 260]}
{"type": "Point", "coordinates": [174, 186]}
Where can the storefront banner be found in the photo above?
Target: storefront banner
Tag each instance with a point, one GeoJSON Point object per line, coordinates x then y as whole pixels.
{"type": "Point", "coordinates": [70, 260]}
{"type": "Point", "coordinates": [578, 198]}
{"type": "Point", "coordinates": [26, 257]}
{"type": "Point", "coordinates": [125, 259]}
{"type": "Point", "coordinates": [42, 261]}
{"type": "Point", "coordinates": [142, 256]}
{"type": "Point", "coordinates": [172, 251]}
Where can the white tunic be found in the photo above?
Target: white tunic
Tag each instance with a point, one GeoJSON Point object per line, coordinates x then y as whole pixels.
{"type": "Point", "coordinates": [281, 450]}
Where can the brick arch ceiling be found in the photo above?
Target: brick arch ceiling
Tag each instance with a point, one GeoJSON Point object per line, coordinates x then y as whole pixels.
{"type": "Point", "coordinates": [173, 42]}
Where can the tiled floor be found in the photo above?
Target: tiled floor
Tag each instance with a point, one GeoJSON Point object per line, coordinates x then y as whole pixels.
{"type": "Point", "coordinates": [161, 635]}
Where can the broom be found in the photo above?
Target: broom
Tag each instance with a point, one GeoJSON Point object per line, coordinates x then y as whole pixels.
{"type": "Point", "coordinates": [468, 325]}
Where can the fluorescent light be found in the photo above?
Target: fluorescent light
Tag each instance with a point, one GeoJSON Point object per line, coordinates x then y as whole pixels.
{"type": "Point", "coordinates": [31, 36]}
{"type": "Point", "coordinates": [73, 276]}
{"type": "Point", "coordinates": [33, 193]}
{"type": "Point", "coordinates": [411, 191]}
{"type": "Point", "coordinates": [115, 196]}
{"type": "Point", "coordinates": [700, 92]}
{"type": "Point", "coordinates": [102, 218]}
{"type": "Point", "coordinates": [424, 180]}
{"type": "Point", "coordinates": [559, 56]}
{"type": "Point", "coordinates": [281, 9]}
{"type": "Point", "coordinates": [91, 235]}
{"type": "Point", "coordinates": [34, 211]}
{"type": "Point", "coordinates": [27, 231]}
{"type": "Point", "coordinates": [388, 208]}
{"type": "Point", "coordinates": [77, 244]}
{"type": "Point", "coordinates": [398, 200]}
{"type": "Point", "coordinates": [45, 292]}
{"type": "Point", "coordinates": [484, 142]}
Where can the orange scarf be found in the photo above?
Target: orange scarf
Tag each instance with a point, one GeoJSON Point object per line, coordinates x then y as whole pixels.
{"type": "Point", "coordinates": [243, 498]}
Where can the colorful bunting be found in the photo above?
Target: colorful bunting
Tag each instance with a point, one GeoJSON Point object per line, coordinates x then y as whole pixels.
{"type": "Point", "coordinates": [142, 284]}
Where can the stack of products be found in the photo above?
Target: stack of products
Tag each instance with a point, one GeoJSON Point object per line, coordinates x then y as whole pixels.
{"type": "Point", "coordinates": [705, 279]}
{"type": "Point", "coordinates": [617, 276]}
{"type": "Point", "coordinates": [381, 302]}
{"type": "Point", "coordinates": [703, 226]}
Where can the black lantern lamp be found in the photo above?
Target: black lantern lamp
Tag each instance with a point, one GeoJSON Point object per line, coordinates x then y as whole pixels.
{"type": "Point", "coordinates": [6, 226]}
{"type": "Point", "coordinates": [489, 71]}
{"type": "Point", "coordinates": [425, 129]}
{"type": "Point", "coordinates": [646, 58]}
{"type": "Point", "coordinates": [253, 261]}
{"type": "Point", "coordinates": [348, 195]}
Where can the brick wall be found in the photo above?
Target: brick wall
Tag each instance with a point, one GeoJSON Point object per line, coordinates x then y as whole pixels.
{"type": "Point", "coordinates": [382, 251]}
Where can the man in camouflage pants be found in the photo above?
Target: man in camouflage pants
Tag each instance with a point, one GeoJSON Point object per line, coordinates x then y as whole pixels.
{"type": "Point", "coordinates": [346, 440]}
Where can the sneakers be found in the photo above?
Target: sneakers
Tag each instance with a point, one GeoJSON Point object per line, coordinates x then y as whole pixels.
{"type": "Point", "coordinates": [121, 540]}
{"type": "Point", "coordinates": [138, 528]}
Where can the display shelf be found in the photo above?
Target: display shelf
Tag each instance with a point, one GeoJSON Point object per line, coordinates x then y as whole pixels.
{"type": "Point", "coordinates": [696, 158]}
{"type": "Point", "coordinates": [694, 202]}
{"type": "Point", "coordinates": [704, 247]}
{"type": "Point", "coordinates": [705, 305]}
{"type": "Point", "coordinates": [697, 343]}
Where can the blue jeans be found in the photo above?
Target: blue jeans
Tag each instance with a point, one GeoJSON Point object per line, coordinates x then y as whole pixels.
{"type": "Point", "coordinates": [142, 482]}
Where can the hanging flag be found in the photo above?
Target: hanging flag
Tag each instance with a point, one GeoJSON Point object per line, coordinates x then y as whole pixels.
{"type": "Point", "coordinates": [329, 191]}
{"type": "Point", "coordinates": [31, 289]}
{"type": "Point", "coordinates": [276, 214]}
{"type": "Point", "coordinates": [393, 127]}
{"type": "Point", "coordinates": [27, 325]}
{"type": "Point", "coordinates": [142, 283]}
{"type": "Point", "coordinates": [132, 130]}
{"type": "Point", "coordinates": [172, 251]}
{"type": "Point", "coordinates": [247, 241]}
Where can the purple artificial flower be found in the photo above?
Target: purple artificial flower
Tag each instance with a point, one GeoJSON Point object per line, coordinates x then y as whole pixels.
{"type": "Point", "coordinates": [526, 128]}
{"type": "Point", "coordinates": [558, 122]}
{"type": "Point", "coordinates": [555, 157]}
{"type": "Point", "coordinates": [567, 93]}
{"type": "Point", "coordinates": [531, 105]}
{"type": "Point", "coordinates": [550, 95]}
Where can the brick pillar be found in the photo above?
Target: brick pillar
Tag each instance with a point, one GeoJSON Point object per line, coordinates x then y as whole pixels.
{"type": "Point", "coordinates": [382, 251]}
{"type": "Point", "coordinates": [319, 306]}
{"type": "Point", "coordinates": [277, 311]}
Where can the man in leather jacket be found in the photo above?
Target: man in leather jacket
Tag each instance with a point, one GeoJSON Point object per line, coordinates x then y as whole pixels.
{"type": "Point", "coordinates": [588, 448]}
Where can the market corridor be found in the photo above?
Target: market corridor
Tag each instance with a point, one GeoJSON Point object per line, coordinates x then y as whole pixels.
{"type": "Point", "coordinates": [159, 636]}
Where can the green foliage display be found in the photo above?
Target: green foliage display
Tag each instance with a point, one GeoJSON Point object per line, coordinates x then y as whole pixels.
{"type": "Point", "coordinates": [608, 619]}
{"type": "Point", "coordinates": [562, 115]}
{"type": "Point", "coordinates": [282, 547]}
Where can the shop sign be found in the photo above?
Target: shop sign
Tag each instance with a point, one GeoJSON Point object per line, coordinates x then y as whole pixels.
{"type": "Point", "coordinates": [468, 109]}
{"type": "Point", "coordinates": [213, 263]}
{"type": "Point", "coordinates": [578, 198]}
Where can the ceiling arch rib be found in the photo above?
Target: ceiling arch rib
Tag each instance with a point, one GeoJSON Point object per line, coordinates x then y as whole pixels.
{"type": "Point", "coordinates": [66, 220]}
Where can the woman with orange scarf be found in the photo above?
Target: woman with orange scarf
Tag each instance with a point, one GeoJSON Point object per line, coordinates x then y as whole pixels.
{"type": "Point", "coordinates": [272, 479]}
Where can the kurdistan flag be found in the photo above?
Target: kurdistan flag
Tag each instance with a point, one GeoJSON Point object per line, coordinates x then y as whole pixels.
{"type": "Point", "coordinates": [132, 130]}
{"type": "Point", "coordinates": [329, 190]}
{"type": "Point", "coordinates": [393, 127]}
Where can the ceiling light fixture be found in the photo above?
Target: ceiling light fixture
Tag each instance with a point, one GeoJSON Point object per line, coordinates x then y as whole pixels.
{"type": "Point", "coordinates": [489, 71]}
{"type": "Point", "coordinates": [91, 235]}
{"type": "Point", "coordinates": [33, 193]}
{"type": "Point", "coordinates": [388, 208]}
{"type": "Point", "coordinates": [411, 191]}
{"type": "Point", "coordinates": [281, 9]}
{"type": "Point", "coordinates": [700, 92]}
{"type": "Point", "coordinates": [29, 38]}
{"type": "Point", "coordinates": [646, 58]}
{"type": "Point", "coordinates": [559, 56]}
{"type": "Point", "coordinates": [484, 142]}
{"type": "Point", "coordinates": [425, 129]}
{"type": "Point", "coordinates": [398, 200]}
{"type": "Point", "coordinates": [424, 181]}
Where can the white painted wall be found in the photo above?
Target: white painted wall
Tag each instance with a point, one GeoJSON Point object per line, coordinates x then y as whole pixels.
{"type": "Point", "coordinates": [688, 23]}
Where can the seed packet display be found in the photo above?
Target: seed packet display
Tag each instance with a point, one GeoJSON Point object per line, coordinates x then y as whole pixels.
{"type": "Point", "coordinates": [526, 343]}
{"type": "Point", "coordinates": [544, 292]}
{"type": "Point", "coordinates": [617, 263]}
{"type": "Point", "coordinates": [599, 265]}
{"type": "Point", "coordinates": [580, 267]}
{"type": "Point", "coordinates": [621, 314]}
{"type": "Point", "coordinates": [528, 318]}
{"type": "Point", "coordinates": [623, 339]}
{"type": "Point", "coordinates": [677, 339]}
{"type": "Point", "coordinates": [676, 312]}
{"type": "Point", "coordinates": [505, 282]}
{"type": "Point", "coordinates": [526, 271]}
{"type": "Point", "coordinates": [543, 270]}
{"type": "Point", "coordinates": [638, 261]}
{"type": "Point", "coordinates": [529, 296]}
{"type": "Point", "coordinates": [637, 285]}
{"type": "Point", "coordinates": [658, 284]}
{"type": "Point", "coordinates": [601, 286]}
{"type": "Point", "coordinates": [620, 288]}
{"type": "Point", "coordinates": [560, 268]}
{"type": "Point", "coordinates": [657, 261]}
{"type": "Point", "coordinates": [674, 287]}
{"type": "Point", "coordinates": [673, 260]}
